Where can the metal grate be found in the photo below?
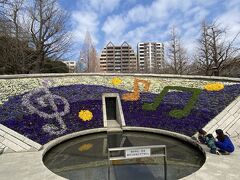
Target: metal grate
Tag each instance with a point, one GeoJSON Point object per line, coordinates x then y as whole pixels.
{"type": "Point", "coordinates": [137, 152]}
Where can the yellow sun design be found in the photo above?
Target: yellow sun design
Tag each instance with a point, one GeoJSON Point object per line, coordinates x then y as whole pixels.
{"type": "Point", "coordinates": [85, 147]}
{"type": "Point", "coordinates": [116, 81]}
{"type": "Point", "coordinates": [85, 115]}
{"type": "Point", "coordinates": [214, 86]}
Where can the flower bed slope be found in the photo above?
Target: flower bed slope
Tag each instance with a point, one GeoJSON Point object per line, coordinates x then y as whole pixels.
{"type": "Point", "coordinates": [89, 97]}
{"type": "Point", "coordinates": [80, 97]}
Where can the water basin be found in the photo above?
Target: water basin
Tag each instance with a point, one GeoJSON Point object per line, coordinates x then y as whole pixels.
{"type": "Point", "coordinates": [86, 158]}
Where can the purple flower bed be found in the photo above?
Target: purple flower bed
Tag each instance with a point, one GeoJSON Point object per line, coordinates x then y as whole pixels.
{"type": "Point", "coordinates": [80, 97]}
{"type": "Point", "coordinates": [31, 124]}
{"type": "Point", "coordinates": [207, 107]}
{"type": "Point", "coordinates": [161, 119]}
{"type": "Point", "coordinates": [89, 97]}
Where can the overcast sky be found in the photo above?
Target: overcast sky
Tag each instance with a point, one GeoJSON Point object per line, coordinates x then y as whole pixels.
{"type": "Point", "coordinates": [146, 20]}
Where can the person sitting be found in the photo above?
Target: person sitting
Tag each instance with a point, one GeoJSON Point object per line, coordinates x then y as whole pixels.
{"type": "Point", "coordinates": [210, 141]}
{"type": "Point", "coordinates": [224, 143]}
{"type": "Point", "coordinates": [202, 136]}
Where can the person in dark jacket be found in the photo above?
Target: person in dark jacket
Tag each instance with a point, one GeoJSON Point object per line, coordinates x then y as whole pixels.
{"type": "Point", "coordinates": [210, 141]}
{"type": "Point", "coordinates": [202, 136]}
{"type": "Point", "coordinates": [224, 143]}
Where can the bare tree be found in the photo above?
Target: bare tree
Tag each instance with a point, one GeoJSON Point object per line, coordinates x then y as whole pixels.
{"type": "Point", "coordinates": [93, 61]}
{"type": "Point", "coordinates": [48, 30]}
{"type": "Point", "coordinates": [222, 51]}
{"type": "Point", "coordinates": [88, 56]}
{"type": "Point", "coordinates": [27, 43]}
{"type": "Point", "coordinates": [3, 1]}
{"type": "Point", "coordinates": [215, 52]}
{"type": "Point", "coordinates": [14, 51]}
{"type": "Point", "coordinates": [177, 55]}
{"type": "Point", "coordinates": [204, 51]}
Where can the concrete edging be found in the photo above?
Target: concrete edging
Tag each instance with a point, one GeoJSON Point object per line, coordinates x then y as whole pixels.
{"type": "Point", "coordinates": [194, 77]}
{"type": "Point", "coordinates": [182, 137]}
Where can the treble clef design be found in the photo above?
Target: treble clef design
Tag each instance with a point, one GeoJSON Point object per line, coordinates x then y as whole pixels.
{"type": "Point", "coordinates": [48, 99]}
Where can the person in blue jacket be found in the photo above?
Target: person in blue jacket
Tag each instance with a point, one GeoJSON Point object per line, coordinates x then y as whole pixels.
{"type": "Point", "coordinates": [224, 143]}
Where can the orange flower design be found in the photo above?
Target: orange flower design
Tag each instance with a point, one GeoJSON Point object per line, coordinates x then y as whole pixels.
{"type": "Point", "coordinates": [135, 95]}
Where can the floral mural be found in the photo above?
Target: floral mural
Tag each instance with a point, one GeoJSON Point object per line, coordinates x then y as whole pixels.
{"type": "Point", "coordinates": [214, 86]}
{"type": "Point", "coordinates": [116, 81]}
{"type": "Point", "coordinates": [85, 115]}
{"type": "Point", "coordinates": [135, 95]}
{"type": "Point", "coordinates": [54, 107]}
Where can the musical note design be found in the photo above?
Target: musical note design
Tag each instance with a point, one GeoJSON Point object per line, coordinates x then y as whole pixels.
{"type": "Point", "coordinates": [176, 113]}
{"type": "Point", "coordinates": [135, 95]}
{"type": "Point", "coordinates": [48, 99]}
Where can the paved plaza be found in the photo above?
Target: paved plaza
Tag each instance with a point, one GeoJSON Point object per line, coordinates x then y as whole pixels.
{"type": "Point", "coordinates": [29, 166]}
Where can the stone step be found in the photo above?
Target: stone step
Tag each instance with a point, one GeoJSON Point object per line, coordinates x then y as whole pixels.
{"type": "Point", "coordinates": [234, 129]}
{"type": "Point", "coordinates": [113, 124]}
{"type": "Point", "coordinates": [115, 130]}
{"type": "Point", "coordinates": [234, 121]}
{"type": "Point", "coordinates": [228, 120]}
{"type": "Point", "coordinates": [15, 142]}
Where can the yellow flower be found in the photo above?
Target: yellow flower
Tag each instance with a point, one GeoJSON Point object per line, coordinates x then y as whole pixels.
{"type": "Point", "coordinates": [85, 147]}
{"type": "Point", "coordinates": [214, 87]}
{"type": "Point", "coordinates": [85, 115]}
{"type": "Point", "coordinates": [116, 81]}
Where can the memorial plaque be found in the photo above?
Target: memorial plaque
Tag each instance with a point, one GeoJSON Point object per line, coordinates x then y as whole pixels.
{"type": "Point", "coordinates": [134, 153]}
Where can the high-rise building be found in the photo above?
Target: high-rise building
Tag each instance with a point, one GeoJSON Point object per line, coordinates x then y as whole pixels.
{"type": "Point", "coordinates": [118, 58]}
{"type": "Point", "coordinates": [71, 66]}
{"type": "Point", "coordinates": [150, 57]}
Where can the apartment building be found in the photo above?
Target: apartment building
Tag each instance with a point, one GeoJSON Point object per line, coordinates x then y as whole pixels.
{"type": "Point", "coordinates": [118, 58]}
{"type": "Point", "coordinates": [71, 66]}
{"type": "Point", "coordinates": [150, 57]}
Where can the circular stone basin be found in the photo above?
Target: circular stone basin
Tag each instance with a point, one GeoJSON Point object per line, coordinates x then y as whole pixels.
{"type": "Point", "coordinates": [86, 157]}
